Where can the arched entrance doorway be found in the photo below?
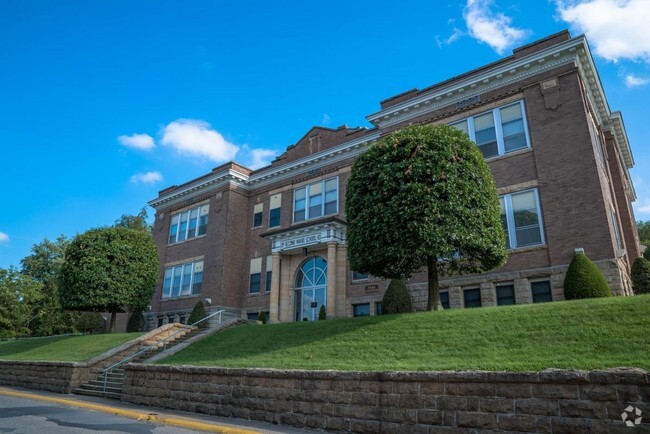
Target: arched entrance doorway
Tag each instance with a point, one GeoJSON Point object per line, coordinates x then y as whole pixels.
{"type": "Point", "coordinates": [310, 289]}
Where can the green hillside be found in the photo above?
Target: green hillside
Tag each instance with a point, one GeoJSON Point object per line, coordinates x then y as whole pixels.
{"type": "Point", "coordinates": [582, 334]}
{"type": "Point", "coordinates": [63, 348]}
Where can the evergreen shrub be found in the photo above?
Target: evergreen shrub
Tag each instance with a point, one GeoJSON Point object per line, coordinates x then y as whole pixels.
{"type": "Point", "coordinates": [584, 280]}
{"type": "Point", "coordinates": [322, 313]}
{"type": "Point", "coordinates": [396, 298]}
{"type": "Point", "coordinates": [198, 313]}
{"type": "Point", "coordinates": [262, 317]}
{"type": "Point", "coordinates": [136, 322]}
{"type": "Point", "coordinates": [641, 276]}
{"type": "Point", "coordinates": [89, 322]}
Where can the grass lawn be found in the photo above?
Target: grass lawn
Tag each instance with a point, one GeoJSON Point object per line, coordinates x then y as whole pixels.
{"type": "Point", "coordinates": [63, 348]}
{"type": "Point", "coordinates": [583, 334]}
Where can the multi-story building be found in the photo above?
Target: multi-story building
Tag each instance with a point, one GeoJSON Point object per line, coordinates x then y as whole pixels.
{"type": "Point", "coordinates": [274, 239]}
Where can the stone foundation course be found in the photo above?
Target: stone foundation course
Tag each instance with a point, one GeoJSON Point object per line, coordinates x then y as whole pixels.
{"type": "Point", "coordinates": [552, 401]}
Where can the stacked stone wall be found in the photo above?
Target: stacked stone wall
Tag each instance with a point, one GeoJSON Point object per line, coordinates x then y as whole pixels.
{"type": "Point", "coordinates": [429, 402]}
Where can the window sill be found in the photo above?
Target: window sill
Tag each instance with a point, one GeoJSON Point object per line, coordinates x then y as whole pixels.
{"type": "Point", "coordinates": [509, 155]}
{"type": "Point", "coordinates": [181, 297]}
{"type": "Point", "coordinates": [528, 248]}
{"type": "Point", "coordinates": [187, 240]}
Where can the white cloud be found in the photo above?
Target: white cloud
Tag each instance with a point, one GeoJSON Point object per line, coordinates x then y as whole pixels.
{"type": "Point", "coordinates": [137, 141]}
{"type": "Point", "coordinates": [261, 158]}
{"type": "Point", "coordinates": [457, 33]}
{"type": "Point", "coordinates": [197, 138]}
{"type": "Point", "coordinates": [634, 81]}
{"type": "Point", "coordinates": [146, 178]}
{"type": "Point", "coordinates": [494, 29]}
{"type": "Point", "coordinates": [326, 119]}
{"type": "Point", "coordinates": [617, 29]}
{"type": "Point", "coordinates": [4, 238]}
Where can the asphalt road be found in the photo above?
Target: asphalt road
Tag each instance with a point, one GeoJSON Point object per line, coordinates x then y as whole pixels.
{"type": "Point", "coordinates": [37, 412]}
{"type": "Point", "coordinates": [27, 416]}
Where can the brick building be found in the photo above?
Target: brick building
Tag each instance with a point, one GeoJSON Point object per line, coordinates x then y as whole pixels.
{"type": "Point", "coordinates": [274, 239]}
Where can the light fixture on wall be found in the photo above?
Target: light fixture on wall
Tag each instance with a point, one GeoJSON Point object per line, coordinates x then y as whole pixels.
{"type": "Point", "coordinates": [580, 251]}
{"type": "Point", "coordinates": [208, 301]}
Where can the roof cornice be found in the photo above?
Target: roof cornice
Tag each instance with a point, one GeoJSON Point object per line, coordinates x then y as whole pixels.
{"type": "Point", "coordinates": [262, 178]}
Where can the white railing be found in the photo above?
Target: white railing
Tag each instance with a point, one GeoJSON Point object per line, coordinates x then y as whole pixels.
{"type": "Point", "coordinates": [157, 344]}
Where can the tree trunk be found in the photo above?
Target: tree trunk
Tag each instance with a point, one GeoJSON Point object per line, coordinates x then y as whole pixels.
{"type": "Point", "coordinates": [433, 301]}
{"type": "Point", "coordinates": [111, 327]}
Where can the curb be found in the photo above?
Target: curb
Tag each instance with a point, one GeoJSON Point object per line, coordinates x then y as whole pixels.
{"type": "Point", "coordinates": [133, 414]}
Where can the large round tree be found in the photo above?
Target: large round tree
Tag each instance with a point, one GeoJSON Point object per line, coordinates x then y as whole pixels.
{"type": "Point", "coordinates": [109, 269]}
{"type": "Point", "coordinates": [423, 196]}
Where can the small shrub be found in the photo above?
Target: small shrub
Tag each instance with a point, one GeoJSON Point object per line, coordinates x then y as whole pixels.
{"type": "Point", "coordinates": [646, 253]}
{"type": "Point", "coordinates": [641, 276]}
{"type": "Point", "coordinates": [198, 313]}
{"type": "Point", "coordinates": [262, 317]}
{"type": "Point", "coordinates": [584, 280]}
{"type": "Point", "coordinates": [322, 313]}
{"type": "Point", "coordinates": [89, 322]}
{"type": "Point", "coordinates": [136, 322]}
{"type": "Point", "coordinates": [396, 298]}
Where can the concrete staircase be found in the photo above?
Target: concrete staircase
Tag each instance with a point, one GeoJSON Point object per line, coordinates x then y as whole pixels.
{"type": "Point", "coordinates": [115, 377]}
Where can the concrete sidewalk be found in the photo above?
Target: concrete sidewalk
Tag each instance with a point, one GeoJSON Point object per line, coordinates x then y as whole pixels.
{"type": "Point", "coordinates": [154, 415]}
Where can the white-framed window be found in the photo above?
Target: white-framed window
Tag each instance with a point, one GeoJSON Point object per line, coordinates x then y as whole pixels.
{"type": "Point", "coordinates": [316, 200]}
{"type": "Point", "coordinates": [499, 131]}
{"type": "Point", "coordinates": [521, 218]}
{"type": "Point", "coordinates": [189, 224]}
{"type": "Point", "coordinates": [255, 279]}
{"type": "Point", "coordinates": [275, 206]}
{"type": "Point", "coordinates": [257, 214]}
{"type": "Point", "coordinates": [357, 276]}
{"type": "Point", "coordinates": [183, 280]}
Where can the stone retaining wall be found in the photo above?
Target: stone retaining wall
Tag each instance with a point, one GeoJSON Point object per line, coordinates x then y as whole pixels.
{"type": "Point", "coordinates": [63, 377]}
{"type": "Point", "coordinates": [429, 402]}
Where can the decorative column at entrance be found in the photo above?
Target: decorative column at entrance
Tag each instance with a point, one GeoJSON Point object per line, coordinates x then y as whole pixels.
{"type": "Point", "coordinates": [275, 289]}
{"type": "Point", "coordinates": [331, 279]}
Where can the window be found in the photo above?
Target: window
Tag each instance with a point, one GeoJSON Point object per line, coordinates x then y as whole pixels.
{"type": "Point", "coordinates": [269, 273]}
{"type": "Point", "coordinates": [498, 131]}
{"type": "Point", "coordinates": [183, 280]}
{"type": "Point", "coordinates": [541, 291]}
{"type": "Point", "coordinates": [255, 276]}
{"type": "Point", "coordinates": [316, 200]}
{"type": "Point", "coordinates": [274, 210]}
{"type": "Point", "coordinates": [161, 320]}
{"type": "Point", "coordinates": [253, 316]}
{"type": "Point", "coordinates": [378, 308]}
{"type": "Point", "coordinates": [361, 309]}
{"type": "Point", "coordinates": [257, 215]}
{"type": "Point", "coordinates": [617, 230]}
{"type": "Point", "coordinates": [444, 299]}
{"type": "Point", "coordinates": [521, 218]}
{"type": "Point", "coordinates": [189, 224]}
{"type": "Point", "coordinates": [505, 294]}
{"type": "Point", "coordinates": [359, 276]}
{"type": "Point", "coordinates": [472, 297]}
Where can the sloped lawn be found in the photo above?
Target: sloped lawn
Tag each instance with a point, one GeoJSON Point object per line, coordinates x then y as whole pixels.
{"type": "Point", "coordinates": [583, 334]}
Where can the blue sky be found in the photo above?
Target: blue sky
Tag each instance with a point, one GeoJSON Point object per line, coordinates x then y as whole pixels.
{"type": "Point", "coordinates": [103, 104]}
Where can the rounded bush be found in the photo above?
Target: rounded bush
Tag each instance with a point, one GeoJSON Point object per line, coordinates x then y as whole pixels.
{"type": "Point", "coordinates": [396, 298]}
{"type": "Point", "coordinates": [136, 322]}
{"type": "Point", "coordinates": [584, 280]}
{"type": "Point", "coordinates": [89, 322]}
{"type": "Point", "coordinates": [641, 276]}
{"type": "Point", "coordinates": [262, 317]}
{"type": "Point", "coordinates": [197, 314]}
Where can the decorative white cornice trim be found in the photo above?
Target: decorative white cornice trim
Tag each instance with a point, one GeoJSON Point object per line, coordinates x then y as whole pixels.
{"type": "Point", "coordinates": [248, 182]}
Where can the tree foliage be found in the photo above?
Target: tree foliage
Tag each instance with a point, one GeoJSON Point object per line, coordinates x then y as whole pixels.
{"type": "Point", "coordinates": [137, 222]}
{"type": "Point", "coordinates": [20, 296]}
{"type": "Point", "coordinates": [89, 322]}
{"type": "Point", "coordinates": [109, 269]}
{"type": "Point", "coordinates": [584, 280]}
{"type": "Point", "coordinates": [44, 265]}
{"type": "Point", "coordinates": [396, 298]}
{"type": "Point", "coordinates": [423, 196]}
{"type": "Point", "coordinates": [641, 276]}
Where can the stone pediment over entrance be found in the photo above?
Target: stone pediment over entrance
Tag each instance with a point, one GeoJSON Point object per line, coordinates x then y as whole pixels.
{"type": "Point", "coordinates": [307, 234]}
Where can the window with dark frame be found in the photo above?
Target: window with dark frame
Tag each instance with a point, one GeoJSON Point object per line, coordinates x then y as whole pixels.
{"type": "Point", "coordinates": [541, 291]}
{"type": "Point", "coordinates": [472, 297]}
{"type": "Point", "coordinates": [505, 294]}
{"type": "Point", "coordinates": [444, 299]}
{"type": "Point", "coordinates": [362, 309]}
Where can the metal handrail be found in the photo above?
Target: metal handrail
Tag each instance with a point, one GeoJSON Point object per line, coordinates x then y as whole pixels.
{"type": "Point", "coordinates": [158, 343]}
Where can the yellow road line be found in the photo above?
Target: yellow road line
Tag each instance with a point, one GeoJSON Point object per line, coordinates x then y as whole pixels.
{"type": "Point", "coordinates": [132, 414]}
